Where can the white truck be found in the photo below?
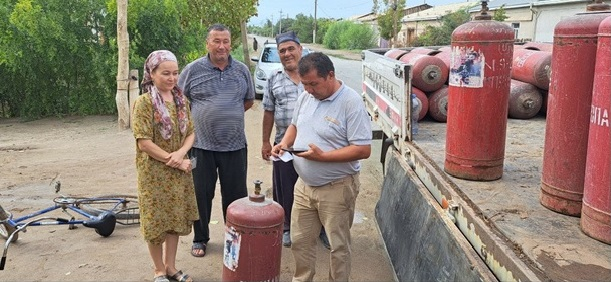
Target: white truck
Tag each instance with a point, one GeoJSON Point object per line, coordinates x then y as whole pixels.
{"type": "Point", "coordinates": [440, 228]}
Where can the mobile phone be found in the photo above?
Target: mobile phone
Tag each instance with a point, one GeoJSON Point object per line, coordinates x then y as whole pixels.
{"type": "Point", "coordinates": [295, 150]}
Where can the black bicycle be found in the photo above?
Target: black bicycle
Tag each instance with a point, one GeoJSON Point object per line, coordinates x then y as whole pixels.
{"type": "Point", "coordinates": [101, 213]}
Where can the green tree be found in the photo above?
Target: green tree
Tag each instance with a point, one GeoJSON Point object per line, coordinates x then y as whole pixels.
{"type": "Point", "coordinates": [51, 53]}
{"type": "Point", "coordinates": [442, 35]}
{"type": "Point", "coordinates": [499, 14]}
{"type": "Point", "coordinates": [204, 13]}
{"type": "Point", "coordinates": [303, 26]}
{"type": "Point", "coordinates": [389, 19]}
{"type": "Point", "coordinates": [59, 57]}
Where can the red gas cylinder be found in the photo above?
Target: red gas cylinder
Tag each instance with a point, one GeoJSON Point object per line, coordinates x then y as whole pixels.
{"type": "Point", "coordinates": [424, 102]}
{"type": "Point", "coordinates": [524, 100]}
{"type": "Point", "coordinates": [539, 46]}
{"type": "Point", "coordinates": [479, 89]}
{"type": "Point", "coordinates": [532, 67]}
{"type": "Point", "coordinates": [253, 239]}
{"type": "Point", "coordinates": [424, 51]}
{"type": "Point", "coordinates": [445, 48]}
{"type": "Point", "coordinates": [568, 110]}
{"type": "Point", "coordinates": [395, 53]}
{"type": "Point", "coordinates": [429, 72]}
{"type": "Point", "coordinates": [596, 208]}
{"type": "Point", "coordinates": [438, 104]}
{"type": "Point", "coordinates": [445, 56]}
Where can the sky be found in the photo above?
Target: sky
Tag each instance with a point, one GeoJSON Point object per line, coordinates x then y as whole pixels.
{"type": "Point", "coordinates": [272, 9]}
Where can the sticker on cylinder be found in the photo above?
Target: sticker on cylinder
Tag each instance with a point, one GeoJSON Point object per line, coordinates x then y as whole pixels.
{"type": "Point", "coordinates": [466, 68]}
{"type": "Point", "coordinates": [232, 248]}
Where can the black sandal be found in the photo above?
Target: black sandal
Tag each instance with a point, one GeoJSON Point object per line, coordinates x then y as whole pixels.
{"type": "Point", "coordinates": [198, 246]}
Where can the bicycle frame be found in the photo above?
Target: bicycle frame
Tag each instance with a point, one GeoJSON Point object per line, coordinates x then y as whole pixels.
{"type": "Point", "coordinates": [104, 223]}
{"type": "Point", "coordinates": [59, 221]}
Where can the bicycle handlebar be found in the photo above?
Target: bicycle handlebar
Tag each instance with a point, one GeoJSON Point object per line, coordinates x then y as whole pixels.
{"type": "Point", "coordinates": [10, 238]}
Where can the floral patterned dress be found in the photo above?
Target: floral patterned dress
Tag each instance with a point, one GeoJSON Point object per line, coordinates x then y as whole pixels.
{"type": "Point", "coordinates": [166, 195]}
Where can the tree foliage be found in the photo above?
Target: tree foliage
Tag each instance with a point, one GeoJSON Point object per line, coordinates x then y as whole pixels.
{"type": "Point", "coordinates": [59, 57]}
{"type": "Point", "coordinates": [499, 14]}
{"type": "Point", "coordinates": [442, 35]}
{"type": "Point", "coordinates": [52, 58]}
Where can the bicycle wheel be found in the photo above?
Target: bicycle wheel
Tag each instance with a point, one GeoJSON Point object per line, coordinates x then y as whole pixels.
{"type": "Point", "coordinates": [125, 207]}
{"type": "Point", "coordinates": [5, 228]}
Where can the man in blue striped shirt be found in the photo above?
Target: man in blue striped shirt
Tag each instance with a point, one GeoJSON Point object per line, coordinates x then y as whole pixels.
{"type": "Point", "coordinates": [220, 90]}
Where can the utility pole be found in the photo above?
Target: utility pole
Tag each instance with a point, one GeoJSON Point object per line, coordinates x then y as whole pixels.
{"type": "Point", "coordinates": [280, 28]}
{"type": "Point", "coordinates": [272, 35]}
{"type": "Point", "coordinates": [394, 24]}
{"type": "Point", "coordinates": [314, 32]}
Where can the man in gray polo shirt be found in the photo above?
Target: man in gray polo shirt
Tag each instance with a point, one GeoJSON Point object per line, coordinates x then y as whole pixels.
{"type": "Point", "coordinates": [330, 122]}
{"type": "Point", "coordinates": [220, 90]}
{"type": "Point", "coordinates": [283, 88]}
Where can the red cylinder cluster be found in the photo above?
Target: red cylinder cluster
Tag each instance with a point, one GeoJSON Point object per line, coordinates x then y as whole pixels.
{"type": "Point", "coordinates": [429, 72]}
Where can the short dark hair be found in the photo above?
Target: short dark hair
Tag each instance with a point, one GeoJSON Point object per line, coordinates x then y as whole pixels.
{"type": "Point", "coordinates": [318, 61]}
{"type": "Point", "coordinates": [217, 27]}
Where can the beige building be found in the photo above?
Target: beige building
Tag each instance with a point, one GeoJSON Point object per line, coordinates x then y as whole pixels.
{"type": "Point", "coordinates": [535, 20]}
{"type": "Point", "coordinates": [414, 24]}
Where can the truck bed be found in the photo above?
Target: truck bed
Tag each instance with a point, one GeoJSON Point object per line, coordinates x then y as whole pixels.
{"type": "Point", "coordinates": [549, 243]}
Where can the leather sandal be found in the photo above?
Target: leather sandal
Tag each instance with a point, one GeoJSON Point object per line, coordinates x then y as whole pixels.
{"type": "Point", "coordinates": [180, 277]}
{"type": "Point", "coordinates": [198, 246]}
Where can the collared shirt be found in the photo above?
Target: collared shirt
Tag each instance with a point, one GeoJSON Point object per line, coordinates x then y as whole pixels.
{"type": "Point", "coordinates": [217, 102]}
{"type": "Point", "coordinates": [330, 124]}
{"type": "Point", "coordinates": [280, 97]}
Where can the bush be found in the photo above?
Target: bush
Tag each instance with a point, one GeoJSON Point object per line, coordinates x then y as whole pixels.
{"type": "Point", "coordinates": [349, 35]}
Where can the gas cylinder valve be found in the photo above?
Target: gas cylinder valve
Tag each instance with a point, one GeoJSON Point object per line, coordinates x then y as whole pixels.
{"type": "Point", "coordinates": [257, 197]}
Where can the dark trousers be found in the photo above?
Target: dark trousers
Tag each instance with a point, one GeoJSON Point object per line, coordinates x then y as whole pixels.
{"type": "Point", "coordinates": [283, 181]}
{"type": "Point", "coordinates": [230, 169]}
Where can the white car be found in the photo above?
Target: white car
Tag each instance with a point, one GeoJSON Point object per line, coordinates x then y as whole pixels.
{"type": "Point", "coordinates": [267, 63]}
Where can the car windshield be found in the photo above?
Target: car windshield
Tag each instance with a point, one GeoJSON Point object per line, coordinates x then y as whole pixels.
{"type": "Point", "coordinates": [270, 55]}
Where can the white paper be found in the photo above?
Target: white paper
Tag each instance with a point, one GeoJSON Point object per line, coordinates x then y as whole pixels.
{"type": "Point", "coordinates": [285, 157]}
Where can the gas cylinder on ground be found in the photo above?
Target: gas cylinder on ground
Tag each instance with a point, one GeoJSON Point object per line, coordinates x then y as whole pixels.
{"type": "Point", "coordinates": [478, 93]}
{"type": "Point", "coordinates": [532, 67]}
{"type": "Point", "coordinates": [395, 53]}
{"type": "Point", "coordinates": [438, 104]}
{"type": "Point", "coordinates": [568, 110]}
{"type": "Point", "coordinates": [596, 208]}
{"type": "Point", "coordinates": [539, 46]}
{"type": "Point", "coordinates": [253, 239]}
{"type": "Point", "coordinates": [424, 102]}
{"type": "Point", "coordinates": [524, 100]}
{"type": "Point", "coordinates": [429, 72]}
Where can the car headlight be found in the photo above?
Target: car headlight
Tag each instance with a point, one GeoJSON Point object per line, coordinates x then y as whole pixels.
{"type": "Point", "coordinates": [261, 74]}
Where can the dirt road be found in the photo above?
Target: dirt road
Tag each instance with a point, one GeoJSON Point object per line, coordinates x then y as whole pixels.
{"type": "Point", "coordinates": [93, 157]}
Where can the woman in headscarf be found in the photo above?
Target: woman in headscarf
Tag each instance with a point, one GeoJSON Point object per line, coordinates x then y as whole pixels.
{"type": "Point", "coordinates": [163, 130]}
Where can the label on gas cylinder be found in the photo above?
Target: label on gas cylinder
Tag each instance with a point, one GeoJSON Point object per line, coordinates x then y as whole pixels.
{"type": "Point", "coordinates": [466, 67]}
{"type": "Point", "coordinates": [231, 251]}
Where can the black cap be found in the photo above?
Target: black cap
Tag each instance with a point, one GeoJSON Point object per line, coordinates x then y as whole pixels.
{"type": "Point", "coordinates": [287, 36]}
